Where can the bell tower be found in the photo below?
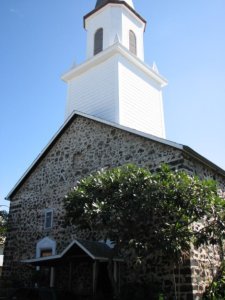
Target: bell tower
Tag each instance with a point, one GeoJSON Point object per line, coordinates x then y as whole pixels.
{"type": "Point", "coordinates": [114, 83]}
{"type": "Point", "coordinates": [117, 23]}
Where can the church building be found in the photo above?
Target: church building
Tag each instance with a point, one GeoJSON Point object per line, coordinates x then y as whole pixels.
{"type": "Point", "coordinates": [114, 115]}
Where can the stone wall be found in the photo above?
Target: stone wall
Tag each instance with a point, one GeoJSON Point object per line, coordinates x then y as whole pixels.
{"type": "Point", "coordinates": [84, 147]}
{"type": "Point", "coordinates": [205, 261]}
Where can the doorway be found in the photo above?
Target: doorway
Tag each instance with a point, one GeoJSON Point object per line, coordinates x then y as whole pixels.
{"type": "Point", "coordinates": [104, 286]}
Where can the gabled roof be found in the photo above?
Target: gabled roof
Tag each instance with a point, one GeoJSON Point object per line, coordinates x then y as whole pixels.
{"type": "Point", "coordinates": [75, 114]}
{"type": "Point", "coordinates": [78, 249]}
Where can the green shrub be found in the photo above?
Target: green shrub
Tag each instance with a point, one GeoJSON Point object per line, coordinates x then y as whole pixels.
{"type": "Point", "coordinates": [216, 291]}
{"type": "Point", "coordinates": [137, 291]}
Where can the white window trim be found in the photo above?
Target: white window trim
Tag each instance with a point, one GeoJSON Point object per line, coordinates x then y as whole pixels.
{"type": "Point", "coordinates": [132, 42]}
{"type": "Point", "coordinates": [45, 243]}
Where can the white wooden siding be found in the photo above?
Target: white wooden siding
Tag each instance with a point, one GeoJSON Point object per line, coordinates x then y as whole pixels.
{"type": "Point", "coordinates": [95, 92]}
{"type": "Point", "coordinates": [140, 101]}
{"type": "Point", "coordinates": [116, 21]}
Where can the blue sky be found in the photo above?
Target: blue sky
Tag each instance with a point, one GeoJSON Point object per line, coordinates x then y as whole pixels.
{"type": "Point", "coordinates": [40, 40]}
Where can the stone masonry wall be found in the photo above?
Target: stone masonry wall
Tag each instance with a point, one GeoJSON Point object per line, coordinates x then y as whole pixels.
{"type": "Point", "coordinates": [204, 261]}
{"type": "Point", "coordinates": [85, 147]}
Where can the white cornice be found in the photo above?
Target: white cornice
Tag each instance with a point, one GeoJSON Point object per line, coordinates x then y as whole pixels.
{"type": "Point", "coordinates": [130, 10]}
{"type": "Point", "coordinates": [113, 50]}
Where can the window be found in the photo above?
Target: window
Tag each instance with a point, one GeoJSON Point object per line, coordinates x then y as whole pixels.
{"type": "Point", "coordinates": [46, 252]}
{"type": "Point", "coordinates": [132, 42]}
{"type": "Point", "coordinates": [48, 218]}
{"type": "Point", "coordinates": [45, 246]}
{"type": "Point", "coordinates": [98, 41]}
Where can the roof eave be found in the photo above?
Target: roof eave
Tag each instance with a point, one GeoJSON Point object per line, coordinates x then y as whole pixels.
{"type": "Point", "coordinates": [57, 258]}
{"type": "Point", "coordinates": [115, 49]}
{"type": "Point", "coordinates": [203, 160]}
{"type": "Point", "coordinates": [63, 128]}
{"type": "Point", "coordinates": [181, 147]}
{"type": "Point", "coordinates": [114, 2]}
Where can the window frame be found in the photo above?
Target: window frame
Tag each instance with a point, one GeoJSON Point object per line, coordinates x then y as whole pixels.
{"type": "Point", "coordinates": [47, 212]}
{"type": "Point", "coordinates": [98, 41]}
{"type": "Point", "coordinates": [46, 252]}
{"type": "Point", "coordinates": [132, 42]}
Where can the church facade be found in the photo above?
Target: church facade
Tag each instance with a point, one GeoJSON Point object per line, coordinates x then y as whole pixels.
{"type": "Point", "coordinates": [105, 127]}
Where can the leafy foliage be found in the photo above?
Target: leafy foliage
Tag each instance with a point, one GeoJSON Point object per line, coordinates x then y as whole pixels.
{"type": "Point", "coordinates": [3, 224]}
{"type": "Point", "coordinates": [147, 213]}
{"type": "Point", "coordinates": [137, 291]}
{"type": "Point", "coordinates": [216, 291]}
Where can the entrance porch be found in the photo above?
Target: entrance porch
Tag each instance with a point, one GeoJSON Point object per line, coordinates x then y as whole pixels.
{"type": "Point", "coordinates": [86, 268]}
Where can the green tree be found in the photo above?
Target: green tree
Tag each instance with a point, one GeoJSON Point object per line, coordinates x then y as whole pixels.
{"type": "Point", "coordinates": [3, 224]}
{"type": "Point", "coordinates": [148, 213]}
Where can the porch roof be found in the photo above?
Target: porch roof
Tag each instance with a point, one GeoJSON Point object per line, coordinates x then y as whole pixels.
{"type": "Point", "coordinates": [77, 249]}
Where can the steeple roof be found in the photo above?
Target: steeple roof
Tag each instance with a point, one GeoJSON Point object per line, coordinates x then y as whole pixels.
{"type": "Point", "coordinates": [100, 3]}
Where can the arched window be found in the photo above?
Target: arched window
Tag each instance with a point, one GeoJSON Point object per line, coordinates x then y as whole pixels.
{"type": "Point", "coordinates": [98, 41]}
{"type": "Point", "coordinates": [132, 42]}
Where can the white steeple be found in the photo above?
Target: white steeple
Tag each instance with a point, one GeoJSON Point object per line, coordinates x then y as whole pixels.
{"type": "Point", "coordinates": [114, 83]}
{"type": "Point", "coordinates": [115, 18]}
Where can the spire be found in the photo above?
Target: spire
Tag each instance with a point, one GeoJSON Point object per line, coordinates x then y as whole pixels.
{"type": "Point", "coordinates": [114, 79]}
{"type": "Point", "coordinates": [155, 68]}
{"type": "Point", "coordinates": [100, 3]}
